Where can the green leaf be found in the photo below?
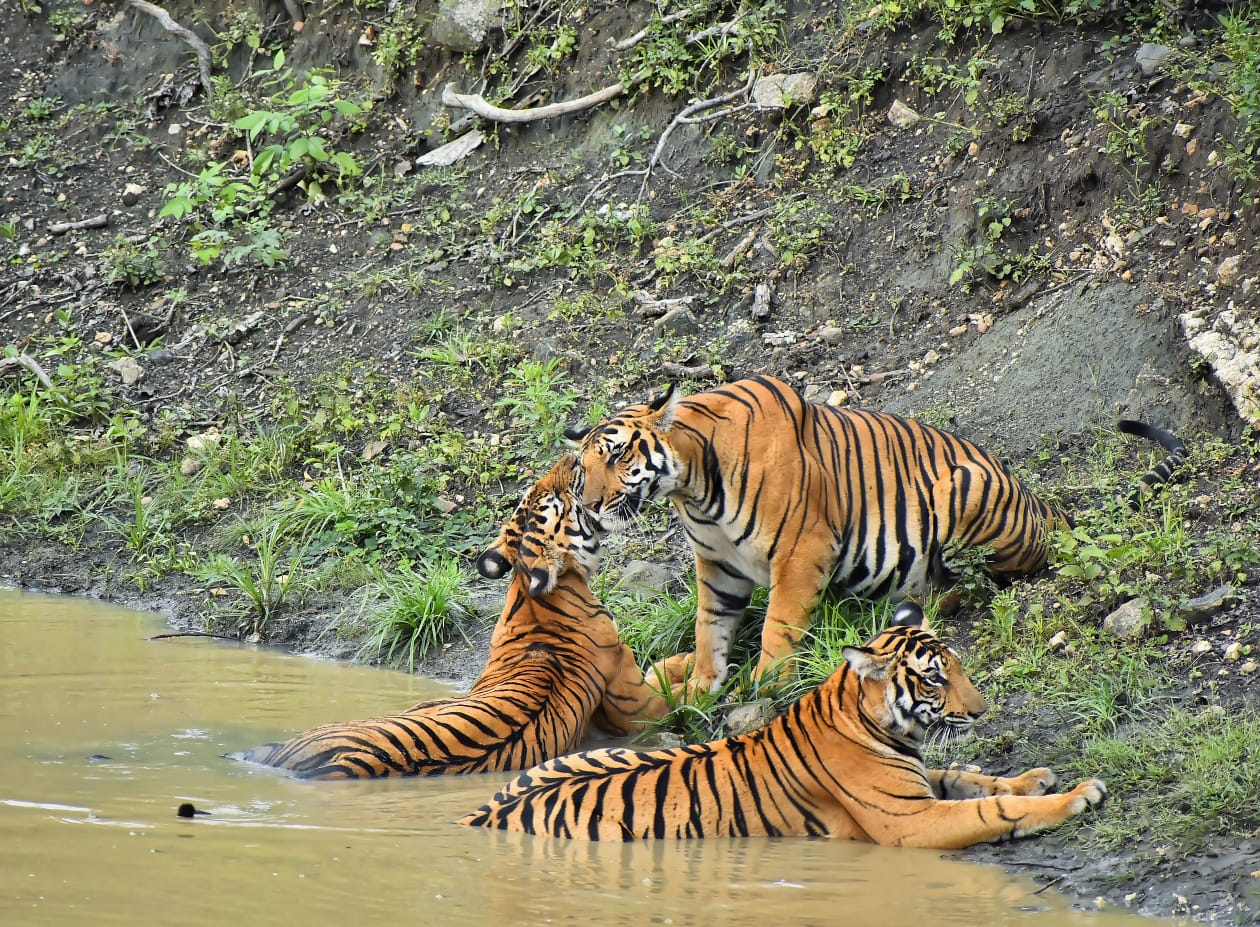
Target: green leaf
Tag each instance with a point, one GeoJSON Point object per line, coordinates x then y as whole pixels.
{"type": "Point", "coordinates": [251, 122]}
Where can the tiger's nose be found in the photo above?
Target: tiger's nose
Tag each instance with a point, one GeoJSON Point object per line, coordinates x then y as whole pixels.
{"type": "Point", "coordinates": [978, 707]}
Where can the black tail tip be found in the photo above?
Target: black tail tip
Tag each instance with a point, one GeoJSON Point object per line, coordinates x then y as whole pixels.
{"type": "Point", "coordinates": [492, 564]}
{"type": "Point", "coordinates": [908, 614]}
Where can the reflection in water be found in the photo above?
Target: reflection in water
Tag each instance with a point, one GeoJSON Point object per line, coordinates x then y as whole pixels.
{"type": "Point", "coordinates": [108, 732]}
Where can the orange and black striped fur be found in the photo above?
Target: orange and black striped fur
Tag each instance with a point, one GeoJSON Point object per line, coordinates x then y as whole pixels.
{"type": "Point", "coordinates": [556, 664]}
{"type": "Point", "coordinates": [798, 496]}
{"type": "Point", "coordinates": [844, 761]}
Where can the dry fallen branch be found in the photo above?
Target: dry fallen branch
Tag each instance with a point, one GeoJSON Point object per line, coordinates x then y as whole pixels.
{"type": "Point", "coordinates": [479, 105]}
{"type": "Point", "coordinates": [688, 116]}
{"type": "Point", "coordinates": [650, 308]}
{"type": "Point", "coordinates": [716, 31]}
{"type": "Point", "coordinates": [684, 372]}
{"type": "Point", "coordinates": [92, 222]}
{"type": "Point", "coordinates": [25, 360]}
{"type": "Point", "coordinates": [630, 41]}
{"type": "Point", "coordinates": [189, 37]}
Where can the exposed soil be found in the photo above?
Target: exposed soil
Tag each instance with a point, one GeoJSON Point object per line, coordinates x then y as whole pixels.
{"type": "Point", "coordinates": [1017, 367]}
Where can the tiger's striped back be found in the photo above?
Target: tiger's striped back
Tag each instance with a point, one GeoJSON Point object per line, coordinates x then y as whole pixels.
{"type": "Point", "coordinates": [797, 496]}
{"type": "Point", "coordinates": [844, 761]}
{"type": "Point", "coordinates": [555, 664]}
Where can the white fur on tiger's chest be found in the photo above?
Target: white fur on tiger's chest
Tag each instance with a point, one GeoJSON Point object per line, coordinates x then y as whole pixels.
{"type": "Point", "coordinates": [712, 543]}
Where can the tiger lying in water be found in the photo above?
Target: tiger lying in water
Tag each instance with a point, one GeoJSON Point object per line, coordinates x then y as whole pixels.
{"type": "Point", "coordinates": [798, 496]}
{"type": "Point", "coordinates": [844, 761]}
{"type": "Point", "coordinates": [556, 664]}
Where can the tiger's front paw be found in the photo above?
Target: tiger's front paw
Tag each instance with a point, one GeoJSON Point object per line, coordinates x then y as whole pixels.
{"type": "Point", "coordinates": [1089, 794]}
{"type": "Point", "coordinates": [667, 674]}
{"type": "Point", "coordinates": [701, 684]}
{"type": "Point", "coordinates": [1037, 781]}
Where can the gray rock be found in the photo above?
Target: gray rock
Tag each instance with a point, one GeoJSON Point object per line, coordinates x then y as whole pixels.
{"type": "Point", "coordinates": [678, 321]}
{"type": "Point", "coordinates": [128, 369]}
{"type": "Point", "coordinates": [901, 115]}
{"type": "Point", "coordinates": [1230, 345]}
{"type": "Point", "coordinates": [779, 91]}
{"type": "Point", "coordinates": [644, 575]}
{"type": "Point", "coordinates": [1205, 606]}
{"type": "Point", "coordinates": [1130, 620]}
{"type": "Point", "coordinates": [749, 716]}
{"type": "Point", "coordinates": [1151, 57]}
{"type": "Point", "coordinates": [462, 25]}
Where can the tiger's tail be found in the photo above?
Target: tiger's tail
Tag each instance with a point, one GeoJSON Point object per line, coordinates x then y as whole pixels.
{"type": "Point", "coordinates": [1162, 472]}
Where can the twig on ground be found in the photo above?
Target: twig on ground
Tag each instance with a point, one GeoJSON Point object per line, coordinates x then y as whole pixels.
{"type": "Point", "coordinates": [479, 105]}
{"type": "Point", "coordinates": [25, 360]}
{"type": "Point", "coordinates": [650, 308]}
{"type": "Point", "coordinates": [632, 40]}
{"type": "Point", "coordinates": [688, 116]}
{"type": "Point", "coordinates": [682, 371]}
{"type": "Point", "coordinates": [739, 248]}
{"type": "Point", "coordinates": [716, 31]}
{"type": "Point", "coordinates": [93, 222]}
{"type": "Point", "coordinates": [204, 61]}
{"type": "Point", "coordinates": [131, 331]}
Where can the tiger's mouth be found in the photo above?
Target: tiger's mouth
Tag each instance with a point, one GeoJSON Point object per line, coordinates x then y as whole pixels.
{"type": "Point", "coordinates": [951, 729]}
{"type": "Point", "coordinates": [621, 512]}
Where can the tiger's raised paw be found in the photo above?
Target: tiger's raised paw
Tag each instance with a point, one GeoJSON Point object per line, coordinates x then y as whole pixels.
{"type": "Point", "coordinates": [671, 671]}
{"type": "Point", "coordinates": [1089, 794]}
{"type": "Point", "coordinates": [1037, 781]}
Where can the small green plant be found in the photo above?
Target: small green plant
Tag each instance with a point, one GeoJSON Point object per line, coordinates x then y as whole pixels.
{"type": "Point", "coordinates": [1241, 45]}
{"type": "Point", "coordinates": [287, 145]}
{"type": "Point", "coordinates": [265, 584]}
{"type": "Point", "coordinates": [419, 611]}
{"type": "Point", "coordinates": [988, 255]}
{"type": "Point", "coordinates": [302, 107]}
{"type": "Point", "coordinates": [550, 49]}
{"type": "Point", "coordinates": [135, 261]}
{"type": "Point", "coordinates": [1128, 127]}
{"type": "Point", "coordinates": [539, 400]}
{"type": "Point", "coordinates": [40, 108]}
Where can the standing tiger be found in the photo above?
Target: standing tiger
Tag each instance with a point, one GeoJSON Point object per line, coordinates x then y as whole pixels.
{"type": "Point", "coordinates": [799, 496]}
{"type": "Point", "coordinates": [844, 761]}
{"type": "Point", "coordinates": [556, 663]}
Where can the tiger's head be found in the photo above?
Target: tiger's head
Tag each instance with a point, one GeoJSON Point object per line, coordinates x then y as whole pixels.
{"type": "Point", "coordinates": [626, 460]}
{"type": "Point", "coordinates": [923, 682]}
{"type": "Point", "coordinates": [548, 535]}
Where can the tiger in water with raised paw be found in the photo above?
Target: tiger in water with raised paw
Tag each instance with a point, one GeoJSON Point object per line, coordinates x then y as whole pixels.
{"type": "Point", "coordinates": [556, 666]}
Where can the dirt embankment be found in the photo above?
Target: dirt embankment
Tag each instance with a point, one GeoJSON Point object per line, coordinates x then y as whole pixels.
{"type": "Point", "coordinates": [998, 265]}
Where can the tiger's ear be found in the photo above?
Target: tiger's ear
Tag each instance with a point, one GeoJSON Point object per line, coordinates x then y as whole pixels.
{"type": "Point", "coordinates": [867, 663]}
{"type": "Point", "coordinates": [662, 407]}
{"type": "Point", "coordinates": [575, 434]}
{"type": "Point", "coordinates": [493, 563]}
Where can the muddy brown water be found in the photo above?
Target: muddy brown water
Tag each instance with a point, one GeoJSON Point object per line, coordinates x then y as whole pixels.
{"type": "Point", "coordinates": [107, 732]}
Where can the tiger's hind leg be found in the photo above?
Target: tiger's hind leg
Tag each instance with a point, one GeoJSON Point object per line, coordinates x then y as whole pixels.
{"type": "Point", "coordinates": [982, 509]}
{"type": "Point", "coordinates": [957, 784]}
